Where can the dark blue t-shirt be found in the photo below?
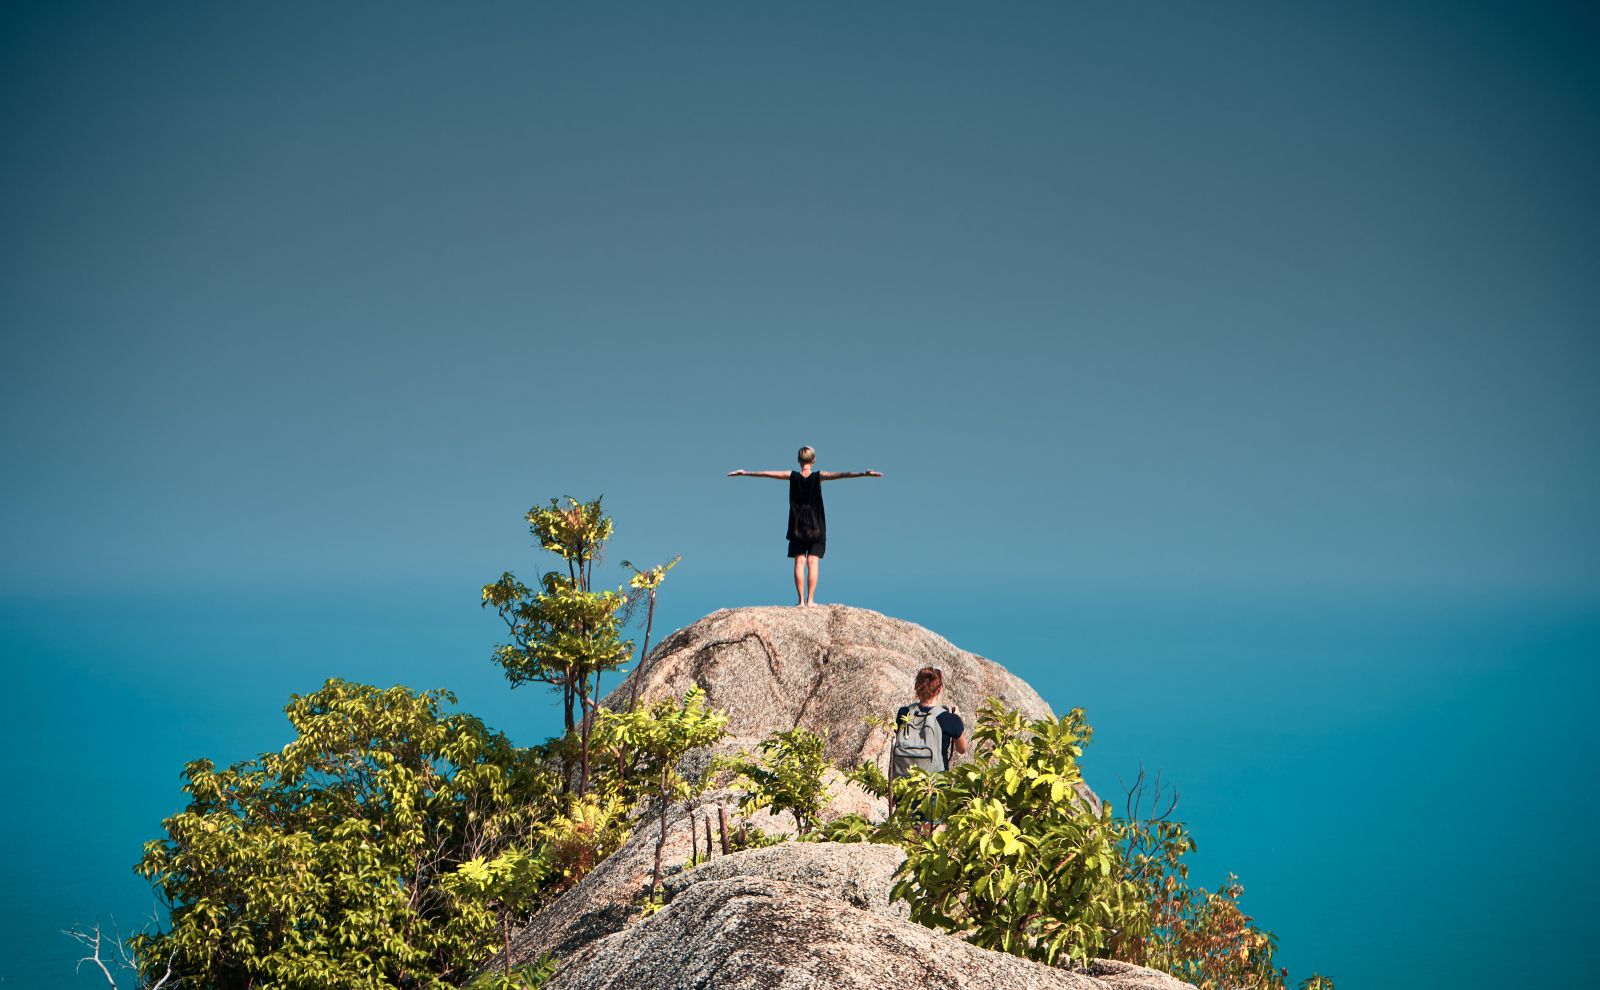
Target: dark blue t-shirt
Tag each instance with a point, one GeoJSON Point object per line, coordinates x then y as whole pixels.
{"type": "Point", "coordinates": [949, 723]}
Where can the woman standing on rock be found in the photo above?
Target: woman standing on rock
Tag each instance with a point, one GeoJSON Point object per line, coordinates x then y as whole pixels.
{"type": "Point", "coordinates": [808, 526]}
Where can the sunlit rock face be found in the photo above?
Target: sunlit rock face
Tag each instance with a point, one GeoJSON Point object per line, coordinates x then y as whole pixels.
{"type": "Point", "coordinates": [823, 668]}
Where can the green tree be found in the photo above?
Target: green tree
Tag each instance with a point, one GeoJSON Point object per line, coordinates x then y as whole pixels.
{"type": "Point", "coordinates": [566, 634]}
{"type": "Point", "coordinates": [1021, 864]}
{"type": "Point", "coordinates": [659, 737]}
{"type": "Point", "coordinates": [506, 884]}
{"type": "Point", "coordinates": [785, 775]}
{"type": "Point", "coordinates": [329, 864]}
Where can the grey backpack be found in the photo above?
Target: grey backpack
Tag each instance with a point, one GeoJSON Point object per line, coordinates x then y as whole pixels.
{"type": "Point", "coordinates": [918, 742]}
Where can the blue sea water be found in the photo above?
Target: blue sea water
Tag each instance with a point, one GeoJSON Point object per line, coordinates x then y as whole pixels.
{"type": "Point", "coordinates": [1403, 783]}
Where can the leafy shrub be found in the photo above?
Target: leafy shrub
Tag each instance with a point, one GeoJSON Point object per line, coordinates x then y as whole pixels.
{"type": "Point", "coordinates": [786, 774]}
{"type": "Point", "coordinates": [509, 882]}
{"type": "Point", "coordinates": [1018, 862]}
{"type": "Point", "coordinates": [870, 778]}
{"type": "Point", "coordinates": [748, 837]}
{"type": "Point", "coordinates": [592, 828]}
{"type": "Point", "coordinates": [1207, 939]}
{"type": "Point", "coordinates": [329, 864]}
{"type": "Point", "coordinates": [529, 976]}
{"type": "Point", "coordinates": [658, 738]}
{"type": "Point", "coordinates": [856, 827]}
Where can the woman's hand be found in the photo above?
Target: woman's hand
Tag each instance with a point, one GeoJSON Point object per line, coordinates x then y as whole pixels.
{"type": "Point", "coordinates": [874, 474]}
{"type": "Point", "coordinates": [736, 474]}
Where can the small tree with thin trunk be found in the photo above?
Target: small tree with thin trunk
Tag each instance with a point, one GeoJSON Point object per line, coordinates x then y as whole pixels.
{"type": "Point", "coordinates": [566, 634]}
{"type": "Point", "coordinates": [785, 774]}
{"type": "Point", "coordinates": [647, 582]}
{"type": "Point", "coordinates": [508, 884]}
{"type": "Point", "coordinates": [661, 736]}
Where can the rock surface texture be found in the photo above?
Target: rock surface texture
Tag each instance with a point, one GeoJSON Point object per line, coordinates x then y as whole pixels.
{"type": "Point", "coordinates": [797, 915]}
{"type": "Point", "coordinates": [822, 668]}
{"type": "Point", "coordinates": [858, 874]}
{"type": "Point", "coordinates": [751, 932]}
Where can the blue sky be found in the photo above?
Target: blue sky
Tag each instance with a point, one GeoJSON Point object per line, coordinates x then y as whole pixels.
{"type": "Point", "coordinates": [1122, 294]}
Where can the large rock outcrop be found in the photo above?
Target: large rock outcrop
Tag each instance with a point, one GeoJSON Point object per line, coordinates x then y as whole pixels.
{"type": "Point", "coordinates": [823, 668]}
{"type": "Point", "coordinates": [797, 915]}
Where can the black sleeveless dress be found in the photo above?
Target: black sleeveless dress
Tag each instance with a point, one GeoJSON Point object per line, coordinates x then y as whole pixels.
{"type": "Point", "coordinates": [808, 523]}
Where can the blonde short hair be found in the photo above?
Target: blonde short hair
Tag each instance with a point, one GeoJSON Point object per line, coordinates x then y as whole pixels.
{"type": "Point", "coordinates": [807, 455]}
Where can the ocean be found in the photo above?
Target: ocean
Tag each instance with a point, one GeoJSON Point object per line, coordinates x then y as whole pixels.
{"type": "Point", "coordinates": [1402, 782]}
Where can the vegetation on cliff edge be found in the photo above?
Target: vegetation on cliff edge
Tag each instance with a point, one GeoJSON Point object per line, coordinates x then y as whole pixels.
{"type": "Point", "coordinates": [394, 844]}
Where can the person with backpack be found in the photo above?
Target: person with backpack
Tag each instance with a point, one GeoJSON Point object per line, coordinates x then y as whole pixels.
{"type": "Point", "coordinates": [926, 733]}
{"type": "Point", "coordinates": [808, 526]}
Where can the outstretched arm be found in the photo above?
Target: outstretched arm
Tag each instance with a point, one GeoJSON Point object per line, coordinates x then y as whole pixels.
{"type": "Point", "coordinates": [841, 475]}
{"type": "Point", "coordinates": [780, 475]}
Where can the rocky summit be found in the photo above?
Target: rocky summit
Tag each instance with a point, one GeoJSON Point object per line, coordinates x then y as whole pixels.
{"type": "Point", "coordinates": [822, 668]}
{"type": "Point", "coordinates": [807, 916]}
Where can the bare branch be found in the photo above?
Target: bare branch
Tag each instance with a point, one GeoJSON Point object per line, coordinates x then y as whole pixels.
{"type": "Point", "coordinates": [92, 941]}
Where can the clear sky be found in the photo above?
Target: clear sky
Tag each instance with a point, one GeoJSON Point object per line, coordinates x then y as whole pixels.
{"type": "Point", "coordinates": [1236, 294]}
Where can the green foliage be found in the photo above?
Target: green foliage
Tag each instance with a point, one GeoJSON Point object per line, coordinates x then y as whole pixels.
{"type": "Point", "coordinates": [529, 976]}
{"type": "Point", "coordinates": [748, 837]}
{"type": "Point", "coordinates": [511, 879]}
{"type": "Point", "coordinates": [357, 857]}
{"type": "Point", "coordinates": [566, 634]}
{"type": "Point", "coordinates": [786, 775]}
{"type": "Point", "coordinates": [1019, 863]}
{"type": "Point", "coordinates": [650, 580]}
{"type": "Point", "coordinates": [391, 844]}
{"type": "Point", "coordinates": [658, 738]}
{"type": "Point", "coordinates": [856, 827]}
{"type": "Point", "coordinates": [574, 843]}
{"type": "Point", "coordinates": [576, 531]}
{"type": "Point", "coordinates": [870, 778]}
{"type": "Point", "coordinates": [1003, 851]}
